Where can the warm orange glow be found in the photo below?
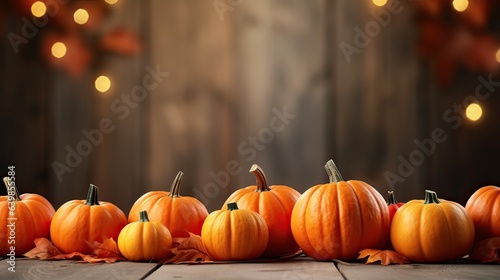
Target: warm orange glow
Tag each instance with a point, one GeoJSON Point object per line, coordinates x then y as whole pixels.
{"type": "Point", "coordinates": [474, 112]}
{"type": "Point", "coordinates": [81, 16]}
{"type": "Point", "coordinates": [111, 2]}
{"type": "Point", "coordinates": [498, 56]}
{"type": "Point", "coordinates": [102, 83]}
{"type": "Point", "coordinates": [38, 9]}
{"type": "Point", "coordinates": [58, 49]}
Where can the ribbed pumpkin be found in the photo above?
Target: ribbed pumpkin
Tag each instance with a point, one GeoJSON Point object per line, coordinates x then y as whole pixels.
{"type": "Point", "coordinates": [234, 234]}
{"type": "Point", "coordinates": [145, 240]}
{"type": "Point", "coordinates": [78, 222]}
{"type": "Point", "coordinates": [432, 230]}
{"type": "Point", "coordinates": [180, 214]}
{"type": "Point", "coordinates": [23, 218]}
{"type": "Point", "coordinates": [339, 219]}
{"type": "Point", "coordinates": [484, 209]}
{"type": "Point", "coordinates": [275, 204]}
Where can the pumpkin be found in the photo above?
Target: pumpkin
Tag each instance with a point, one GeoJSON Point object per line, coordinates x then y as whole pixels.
{"type": "Point", "coordinates": [23, 218]}
{"type": "Point", "coordinates": [339, 219]}
{"type": "Point", "coordinates": [79, 222]}
{"type": "Point", "coordinates": [392, 204]}
{"type": "Point", "coordinates": [234, 234]}
{"type": "Point", "coordinates": [484, 209]}
{"type": "Point", "coordinates": [145, 240]}
{"type": "Point", "coordinates": [180, 214]}
{"type": "Point", "coordinates": [275, 204]}
{"type": "Point", "coordinates": [432, 230]}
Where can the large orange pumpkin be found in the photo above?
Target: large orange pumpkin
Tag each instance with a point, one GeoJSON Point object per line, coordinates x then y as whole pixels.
{"type": "Point", "coordinates": [234, 234]}
{"type": "Point", "coordinates": [484, 209]}
{"type": "Point", "coordinates": [23, 218]}
{"type": "Point", "coordinates": [432, 230]}
{"type": "Point", "coordinates": [79, 222]}
{"type": "Point", "coordinates": [275, 204]}
{"type": "Point", "coordinates": [145, 240]}
{"type": "Point", "coordinates": [180, 214]}
{"type": "Point", "coordinates": [339, 219]}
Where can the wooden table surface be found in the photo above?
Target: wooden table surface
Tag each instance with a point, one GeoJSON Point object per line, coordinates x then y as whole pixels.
{"type": "Point", "coordinates": [301, 268]}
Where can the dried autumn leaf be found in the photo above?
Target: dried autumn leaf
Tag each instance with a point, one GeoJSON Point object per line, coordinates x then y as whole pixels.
{"type": "Point", "coordinates": [107, 251]}
{"type": "Point", "coordinates": [43, 250]}
{"type": "Point", "coordinates": [487, 250]}
{"type": "Point", "coordinates": [189, 250]}
{"type": "Point", "coordinates": [386, 257]}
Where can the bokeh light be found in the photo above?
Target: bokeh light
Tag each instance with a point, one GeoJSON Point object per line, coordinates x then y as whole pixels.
{"type": "Point", "coordinates": [38, 9]}
{"type": "Point", "coordinates": [81, 16]}
{"type": "Point", "coordinates": [59, 49]}
{"type": "Point", "coordinates": [474, 112]}
{"type": "Point", "coordinates": [102, 83]}
{"type": "Point", "coordinates": [460, 5]}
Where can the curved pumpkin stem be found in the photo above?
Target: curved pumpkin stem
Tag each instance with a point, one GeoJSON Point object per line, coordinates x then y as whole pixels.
{"type": "Point", "coordinates": [176, 185]}
{"type": "Point", "coordinates": [92, 195]}
{"type": "Point", "coordinates": [390, 198]}
{"type": "Point", "coordinates": [261, 178]}
{"type": "Point", "coordinates": [333, 172]}
{"type": "Point", "coordinates": [9, 184]}
{"type": "Point", "coordinates": [143, 216]}
{"type": "Point", "coordinates": [232, 206]}
{"type": "Point", "coordinates": [431, 197]}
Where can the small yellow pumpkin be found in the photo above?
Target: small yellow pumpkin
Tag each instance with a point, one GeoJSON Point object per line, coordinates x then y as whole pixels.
{"type": "Point", "coordinates": [144, 240]}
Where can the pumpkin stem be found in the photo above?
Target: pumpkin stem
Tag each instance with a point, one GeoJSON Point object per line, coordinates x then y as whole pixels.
{"type": "Point", "coordinates": [92, 195]}
{"type": "Point", "coordinates": [232, 206]}
{"type": "Point", "coordinates": [261, 178]}
{"type": "Point", "coordinates": [333, 172]}
{"type": "Point", "coordinates": [9, 184]}
{"type": "Point", "coordinates": [143, 216]}
{"type": "Point", "coordinates": [431, 197]}
{"type": "Point", "coordinates": [390, 198]}
{"type": "Point", "coordinates": [176, 185]}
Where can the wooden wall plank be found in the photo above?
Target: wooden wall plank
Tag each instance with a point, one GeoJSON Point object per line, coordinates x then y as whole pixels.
{"type": "Point", "coordinates": [371, 128]}
{"type": "Point", "coordinates": [420, 271]}
{"type": "Point", "coordinates": [115, 162]}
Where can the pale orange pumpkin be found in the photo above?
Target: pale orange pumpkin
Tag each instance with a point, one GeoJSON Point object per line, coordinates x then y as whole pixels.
{"type": "Point", "coordinates": [432, 230]}
{"type": "Point", "coordinates": [339, 219]}
{"type": "Point", "coordinates": [275, 204]}
{"type": "Point", "coordinates": [23, 218]}
{"type": "Point", "coordinates": [484, 209]}
{"type": "Point", "coordinates": [180, 214]}
{"type": "Point", "coordinates": [234, 234]}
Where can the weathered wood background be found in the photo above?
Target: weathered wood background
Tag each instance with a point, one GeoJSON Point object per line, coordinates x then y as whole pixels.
{"type": "Point", "coordinates": [230, 71]}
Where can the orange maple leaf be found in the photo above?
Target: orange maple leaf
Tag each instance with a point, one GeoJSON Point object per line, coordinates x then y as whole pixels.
{"type": "Point", "coordinates": [385, 257]}
{"type": "Point", "coordinates": [189, 250]}
{"type": "Point", "coordinates": [487, 250]}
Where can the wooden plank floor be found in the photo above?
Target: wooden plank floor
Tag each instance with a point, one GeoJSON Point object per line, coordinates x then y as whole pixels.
{"type": "Point", "coordinates": [420, 271]}
{"type": "Point", "coordinates": [299, 268]}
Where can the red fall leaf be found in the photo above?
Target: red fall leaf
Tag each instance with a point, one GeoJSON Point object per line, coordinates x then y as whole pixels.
{"type": "Point", "coordinates": [385, 257]}
{"type": "Point", "coordinates": [487, 250]}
